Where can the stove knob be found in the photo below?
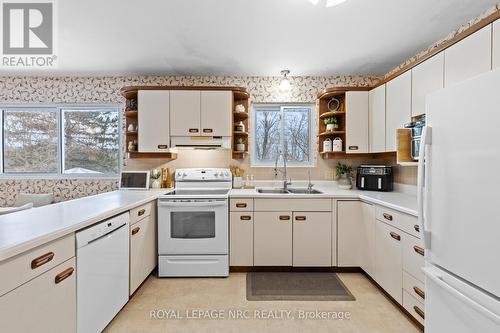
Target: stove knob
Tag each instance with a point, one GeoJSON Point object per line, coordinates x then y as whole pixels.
{"type": "Point", "coordinates": [179, 174]}
{"type": "Point", "coordinates": [216, 174]}
{"type": "Point", "coordinates": [184, 175]}
{"type": "Point", "coordinates": [226, 174]}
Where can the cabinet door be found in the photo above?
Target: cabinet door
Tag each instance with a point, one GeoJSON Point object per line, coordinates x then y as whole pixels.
{"type": "Point", "coordinates": [216, 113]}
{"type": "Point", "coordinates": [44, 304]}
{"type": "Point", "coordinates": [469, 57]}
{"type": "Point", "coordinates": [356, 235]}
{"type": "Point", "coordinates": [312, 239]}
{"type": "Point", "coordinates": [185, 112]}
{"type": "Point", "coordinates": [426, 78]}
{"type": "Point", "coordinates": [398, 107]}
{"type": "Point", "coordinates": [272, 239]}
{"type": "Point", "coordinates": [356, 121]}
{"type": "Point", "coordinates": [376, 119]}
{"type": "Point", "coordinates": [241, 239]}
{"type": "Point", "coordinates": [496, 44]}
{"type": "Point", "coordinates": [143, 254]}
{"type": "Point", "coordinates": [153, 120]}
{"type": "Point", "coordinates": [388, 260]}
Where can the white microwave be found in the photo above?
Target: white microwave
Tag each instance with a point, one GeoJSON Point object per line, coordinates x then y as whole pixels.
{"type": "Point", "coordinates": [134, 180]}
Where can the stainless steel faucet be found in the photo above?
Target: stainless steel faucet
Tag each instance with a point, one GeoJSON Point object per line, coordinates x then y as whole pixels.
{"type": "Point", "coordinates": [309, 185]}
{"type": "Point", "coordinates": [286, 182]}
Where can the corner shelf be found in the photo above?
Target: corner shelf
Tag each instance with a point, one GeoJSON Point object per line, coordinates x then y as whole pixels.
{"type": "Point", "coordinates": [240, 97]}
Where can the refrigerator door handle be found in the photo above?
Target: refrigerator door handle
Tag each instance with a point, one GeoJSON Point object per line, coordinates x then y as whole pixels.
{"type": "Point", "coordinates": [425, 141]}
{"type": "Point", "coordinates": [461, 297]}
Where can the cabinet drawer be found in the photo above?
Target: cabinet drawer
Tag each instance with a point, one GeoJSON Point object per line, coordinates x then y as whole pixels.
{"type": "Point", "coordinates": [413, 256]}
{"type": "Point", "coordinates": [25, 266]}
{"type": "Point", "coordinates": [138, 213]}
{"type": "Point", "coordinates": [414, 287]}
{"type": "Point", "coordinates": [44, 304]}
{"type": "Point", "coordinates": [414, 307]}
{"type": "Point", "coordinates": [399, 220]}
{"type": "Point", "coordinates": [241, 239]}
{"type": "Point", "coordinates": [295, 205]}
{"type": "Point", "coordinates": [241, 204]}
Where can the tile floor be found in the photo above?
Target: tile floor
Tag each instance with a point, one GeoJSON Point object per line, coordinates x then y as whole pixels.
{"type": "Point", "coordinates": [372, 312]}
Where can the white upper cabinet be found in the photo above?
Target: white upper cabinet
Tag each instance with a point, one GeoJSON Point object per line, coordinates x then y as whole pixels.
{"type": "Point", "coordinates": [496, 44]}
{"type": "Point", "coordinates": [469, 57]}
{"type": "Point", "coordinates": [216, 108]}
{"type": "Point", "coordinates": [356, 121]}
{"type": "Point", "coordinates": [185, 112]}
{"type": "Point", "coordinates": [426, 78]}
{"type": "Point", "coordinates": [398, 107]}
{"type": "Point", "coordinates": [376, 119]}
{"type": "Point", "coordinates": [153, 120]}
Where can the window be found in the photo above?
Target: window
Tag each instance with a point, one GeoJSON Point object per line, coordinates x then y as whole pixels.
{"type": "Point", "coordinates": [282, 128]}
{"type": "Point", "coordinates": [58, 140]}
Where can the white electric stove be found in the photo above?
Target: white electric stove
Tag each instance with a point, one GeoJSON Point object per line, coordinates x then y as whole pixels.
{"type": "Point", "coordinates": [193, 224]}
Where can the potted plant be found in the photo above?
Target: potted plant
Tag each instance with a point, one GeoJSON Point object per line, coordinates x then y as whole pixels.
{"type": "Point", "coordinates": [240, 144]}
{"type": "Point", "coordinates": [155, 178]}
{"type": "Point", "coordinates": [344, 174]}
{"type": "Point", "coordinates": [331, 124]}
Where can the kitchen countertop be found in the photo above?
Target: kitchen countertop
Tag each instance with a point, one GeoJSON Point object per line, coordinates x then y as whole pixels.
{"type": "Point", "coordinates": [400, 201]}
{"type": "Point", "coordinates": [25, 230]}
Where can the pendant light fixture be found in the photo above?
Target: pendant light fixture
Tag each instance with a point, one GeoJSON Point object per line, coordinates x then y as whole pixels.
{"type": "Point", "coordinates": [285, 83]}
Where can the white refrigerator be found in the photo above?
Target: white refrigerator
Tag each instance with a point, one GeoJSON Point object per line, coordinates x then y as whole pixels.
{"type": "Point", "coordinates": [459, 206]}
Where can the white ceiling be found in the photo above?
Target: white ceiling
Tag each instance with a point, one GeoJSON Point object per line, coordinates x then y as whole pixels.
{"type": "Point", "coordinates": [249, 37]}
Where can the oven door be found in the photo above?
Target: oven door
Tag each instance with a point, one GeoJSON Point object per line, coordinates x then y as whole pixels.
{"type": "Point", "coordinates": [194, 226]}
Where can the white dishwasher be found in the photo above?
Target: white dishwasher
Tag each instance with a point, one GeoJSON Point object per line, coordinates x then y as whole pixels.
{"type": "Point", "coordinates": [102, 259]}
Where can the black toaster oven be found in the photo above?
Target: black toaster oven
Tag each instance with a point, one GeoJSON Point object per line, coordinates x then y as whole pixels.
{"type": "Point", "coordinates": [374, 178]}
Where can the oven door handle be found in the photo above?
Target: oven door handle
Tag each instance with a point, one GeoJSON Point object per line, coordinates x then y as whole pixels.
{"type": "Point", "coordinates": [192, 204]}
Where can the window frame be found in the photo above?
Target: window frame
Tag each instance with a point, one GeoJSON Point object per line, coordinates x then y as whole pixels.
{"type": "Point", "coordinates": [60, 144]}
{"type": "Point", "coordinates": [281, 106]}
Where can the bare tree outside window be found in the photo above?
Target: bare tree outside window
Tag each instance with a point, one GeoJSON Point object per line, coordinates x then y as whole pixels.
{"type": "Point", "coordinates": [282, 128]}
{"type": "Point", "coordinates": [30, 141]}
{"type": "Point", "coordinates": [91, 141]}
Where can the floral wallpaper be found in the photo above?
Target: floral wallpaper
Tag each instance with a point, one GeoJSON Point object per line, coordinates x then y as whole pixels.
{"type": "Point", "coordinates": [106, 90]}
{"type": "Point", "coordinates": [440, 42]}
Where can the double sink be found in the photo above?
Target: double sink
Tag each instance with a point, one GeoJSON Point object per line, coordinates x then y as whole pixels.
{"type": "Point", "coordinates": [288, 191]}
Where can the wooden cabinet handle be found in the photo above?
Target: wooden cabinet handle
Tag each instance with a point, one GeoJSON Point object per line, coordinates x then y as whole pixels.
{"type": "Point", "coordinates": [388, 217]}
{"type": "Point", "coordinates": [42, 260]}
{"type": "Point", "coordinates": [245, 217]}
{"type": "Point", "coordinates": [419, 311]}
{"type": "Point", "coordinates": [284, 217]}
{"type": "Point", "coordinates": [419, 292]}
{"type": "Point", "coordinates": [300, 218]}
{"type": "Point", "coordinates": [419, 250]}
{"type": "Point", "coordinates": [395, 236]}
{"type": "Point", "coordinates": [141, 212]}
{"type": "Point", "coordinates": [416, 227]}
{"type": "Point", "coordinates": [207, 130]}
{"type": "Point", "coordinates": [162, 146]}
{"type": "Point", "coordinates": [135, 230]}
{"type": "Point", "coordinates": [64, 275]}
{"type": "Point", "coordinates": [241, 205]}
{"type": "Point", "coordinates": [193, 130]}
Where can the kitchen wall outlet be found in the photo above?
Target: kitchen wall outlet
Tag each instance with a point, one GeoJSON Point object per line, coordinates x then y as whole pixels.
{"type": "Point", "coordinates": [329, 174]}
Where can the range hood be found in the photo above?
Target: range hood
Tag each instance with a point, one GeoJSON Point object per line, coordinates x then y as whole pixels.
{"type": "Point", "coordinates": [201, 142]}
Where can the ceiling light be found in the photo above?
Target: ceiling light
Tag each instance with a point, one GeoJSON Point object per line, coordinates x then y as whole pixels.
{"type": "Point", "coordinates": [285, 83]}
{"type": "Point", "coordinates": [331, 3]}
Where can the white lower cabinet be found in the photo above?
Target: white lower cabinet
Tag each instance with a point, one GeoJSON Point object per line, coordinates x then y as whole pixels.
{"type": "Point", "coordinates": [388, 259]}
{"type": "Point", "coordinates": [312, 239]}
{"type": "Point", "coordinates": [414, 307]}
{"type": "Point", "coordinates": [413, 256]}
{"type": "Point", "coordinates": [45, 304]}
{"type": "Point", "coordinates": [241, 239]}
{"type": "Point", "coordinates": [143, 255]}
{"type": "Point", "coordinates": [356, 235]}
{"type": "Point", "coordinates": [273, 238]}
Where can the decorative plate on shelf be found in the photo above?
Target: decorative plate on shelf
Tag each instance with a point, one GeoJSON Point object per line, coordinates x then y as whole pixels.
{"type": "Point", "coordinates": [333, 104]}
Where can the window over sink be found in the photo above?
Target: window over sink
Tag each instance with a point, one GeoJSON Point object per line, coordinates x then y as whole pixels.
{"type": "Point", "coordinates": [58, 140]}
{"type": "Point", "coordinates": [278, 129]}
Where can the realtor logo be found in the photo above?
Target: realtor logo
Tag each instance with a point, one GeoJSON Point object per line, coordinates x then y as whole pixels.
{"type": "Point", "coordinates": [28, 34]}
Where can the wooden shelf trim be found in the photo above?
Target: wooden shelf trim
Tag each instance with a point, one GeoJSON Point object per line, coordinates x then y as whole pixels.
{"type": "Point", "coordinates": [331, 114]}
{"type": "Point", "coordinates": [331, 133]}
{"type": "Point", "coordinates": [339, 91]}
{"type": "Point", "coordinates": [240, 115]}
{"type": "Point", "coordinates": [344, 155]}
{"type": "Point", "coordinates": [131, 114]}
{"type": "Point", "coordinates": [136, 154]}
